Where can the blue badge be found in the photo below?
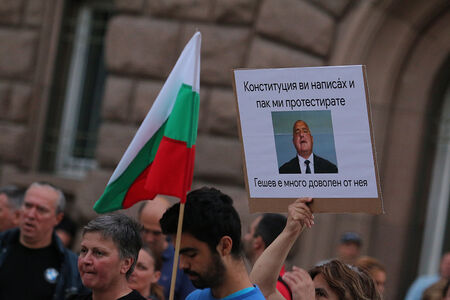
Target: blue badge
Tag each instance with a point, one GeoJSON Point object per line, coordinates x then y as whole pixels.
{"type": "Point", "coordinates": [51, 275]}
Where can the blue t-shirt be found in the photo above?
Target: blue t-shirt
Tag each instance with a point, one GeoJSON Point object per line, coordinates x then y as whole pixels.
{"type": "Point", "coordinates": [248, 293]}
{"type": "Point", "coordinates": [420, 285]}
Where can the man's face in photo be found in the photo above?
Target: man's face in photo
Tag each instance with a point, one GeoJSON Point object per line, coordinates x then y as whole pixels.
{"type": "Point", "coordinates": [302, 139]}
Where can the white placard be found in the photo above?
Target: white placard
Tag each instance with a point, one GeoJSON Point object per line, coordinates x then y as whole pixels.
{"type": "Point", "coordinates": [333, 103]}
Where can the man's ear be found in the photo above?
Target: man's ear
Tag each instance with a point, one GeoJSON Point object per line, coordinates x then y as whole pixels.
{"type": "Point", "coordinates": [59, 217]}
{"type": "Point", "coordinates": [225, 245]}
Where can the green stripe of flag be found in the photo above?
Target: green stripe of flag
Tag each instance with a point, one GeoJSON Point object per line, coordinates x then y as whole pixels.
{"type": "Point", "coordinates": [183, 122]}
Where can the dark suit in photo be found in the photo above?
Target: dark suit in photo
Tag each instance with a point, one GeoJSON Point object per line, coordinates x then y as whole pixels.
{"type": "Point", "coordinates": [321, 165]}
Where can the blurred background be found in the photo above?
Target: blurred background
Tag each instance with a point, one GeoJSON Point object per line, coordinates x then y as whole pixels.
{"type": "Point", "coordinates": [77, 78]}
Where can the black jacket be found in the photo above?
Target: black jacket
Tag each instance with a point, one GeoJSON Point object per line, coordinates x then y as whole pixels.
{"type": "Point", "coordinates": [68, 282]}
{"type": "Point", "coordinates": [321, 165]}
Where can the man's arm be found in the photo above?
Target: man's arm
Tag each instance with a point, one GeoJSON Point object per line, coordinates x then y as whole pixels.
{"type": "Point", "coordinates": [267, 267]}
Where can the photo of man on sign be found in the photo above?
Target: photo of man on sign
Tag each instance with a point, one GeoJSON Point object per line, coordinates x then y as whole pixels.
{"type": "Point", "coordinates": [307, 159]}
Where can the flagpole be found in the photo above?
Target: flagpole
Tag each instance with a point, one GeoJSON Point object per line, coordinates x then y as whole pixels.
{"type": "Point", "coordinates": [177, 251]}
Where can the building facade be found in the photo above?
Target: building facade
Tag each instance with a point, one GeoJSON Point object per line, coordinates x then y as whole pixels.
{"type": "Point", "coordinates": [78, 77]}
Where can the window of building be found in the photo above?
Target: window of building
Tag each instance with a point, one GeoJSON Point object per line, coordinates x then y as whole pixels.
{"type": "Point", "coordinates": [436, 236]}
{"type": "Point", "coordinates": [73, 115]}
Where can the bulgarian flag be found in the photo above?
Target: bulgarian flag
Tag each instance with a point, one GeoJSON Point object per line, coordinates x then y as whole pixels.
{"type": "Point", "coordinates": [160, 158]}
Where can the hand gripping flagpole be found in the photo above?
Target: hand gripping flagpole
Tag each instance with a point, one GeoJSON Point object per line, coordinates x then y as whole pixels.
{"type": "Point", "coordinates": [187, 185]}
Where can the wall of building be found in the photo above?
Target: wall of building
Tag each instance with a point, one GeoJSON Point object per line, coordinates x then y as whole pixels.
{"type": "Point", "coordinates": [20, 23]}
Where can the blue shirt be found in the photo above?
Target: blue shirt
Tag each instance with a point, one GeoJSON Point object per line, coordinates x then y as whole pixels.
{"type": "Point", "coordinates": [419, 286]}
{"type": "Point", "coordinates": [183, 285]}
{"type": "Point", "coordinates": [249, 293]}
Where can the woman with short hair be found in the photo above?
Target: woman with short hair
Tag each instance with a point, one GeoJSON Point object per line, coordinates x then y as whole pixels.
{"type": "Point", "coordinates": [109, 250]}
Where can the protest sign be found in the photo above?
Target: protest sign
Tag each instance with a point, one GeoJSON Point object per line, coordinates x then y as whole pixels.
{"type": "Point", "coordinates": [306, 132]}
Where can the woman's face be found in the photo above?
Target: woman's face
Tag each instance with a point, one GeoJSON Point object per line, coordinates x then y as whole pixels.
{"type": "Point", "coordinates": [99, 262]}
{"type": "Point", "coordinates": [323, 290]}
{"type": "Point", "coordinates": [144, 274]}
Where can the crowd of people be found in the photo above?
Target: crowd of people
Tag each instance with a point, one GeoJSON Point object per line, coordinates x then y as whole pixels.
{"type": "Point", "coordinates": [123, 258]}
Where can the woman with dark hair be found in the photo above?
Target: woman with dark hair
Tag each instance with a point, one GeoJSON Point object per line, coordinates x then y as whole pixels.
{"type": "Point", "coordinates": [146, 274]}
{"type": "Point", "coordinates": [333, 280]}
{"type": "Point", "coordinates": [109, 250]}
